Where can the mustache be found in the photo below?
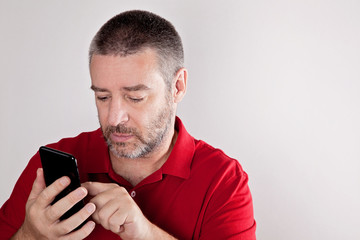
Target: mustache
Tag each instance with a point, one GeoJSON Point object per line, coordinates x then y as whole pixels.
{"type": "Point", "coordinates": [120, 129]}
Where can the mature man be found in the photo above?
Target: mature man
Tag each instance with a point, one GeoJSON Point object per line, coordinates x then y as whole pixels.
{"type": "Point", "coordinates": [144, 176]}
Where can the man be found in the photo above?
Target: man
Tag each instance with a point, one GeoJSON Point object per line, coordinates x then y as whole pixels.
{"type": "Point", "coordinates": [143, 175]}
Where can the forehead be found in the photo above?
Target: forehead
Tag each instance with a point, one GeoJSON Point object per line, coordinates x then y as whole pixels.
{"type": "Point", "coordinates": [118, 71]}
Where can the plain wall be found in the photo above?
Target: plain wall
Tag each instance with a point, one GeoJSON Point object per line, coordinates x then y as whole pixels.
{"type": "Point", "coordinates": [275, 84]}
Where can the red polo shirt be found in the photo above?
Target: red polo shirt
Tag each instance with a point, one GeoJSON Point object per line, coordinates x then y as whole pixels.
{"type": "Point", "coordinates": [199, 193]}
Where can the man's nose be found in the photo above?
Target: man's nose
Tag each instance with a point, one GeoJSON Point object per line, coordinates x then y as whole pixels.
{"type": "Point", "coordinates": [118, 113]}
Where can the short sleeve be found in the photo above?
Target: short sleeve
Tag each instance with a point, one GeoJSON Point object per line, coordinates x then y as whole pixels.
{"type": "Point", "coordinates": [229, 213]}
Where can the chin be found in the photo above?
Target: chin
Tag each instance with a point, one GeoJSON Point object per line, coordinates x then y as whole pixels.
{"type": "Point", "coordinates": [126, 152]}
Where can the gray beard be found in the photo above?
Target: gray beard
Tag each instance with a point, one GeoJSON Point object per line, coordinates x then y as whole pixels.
{"type": "Point", "coordinates": [141, 150]}
{"type": "Point", "coordinates": [157, 131]}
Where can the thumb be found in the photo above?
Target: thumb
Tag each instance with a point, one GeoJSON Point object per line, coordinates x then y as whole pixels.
{"type": "Point", "coordinates": [38, 185]}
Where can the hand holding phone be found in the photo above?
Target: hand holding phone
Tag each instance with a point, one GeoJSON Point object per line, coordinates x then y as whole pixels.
{"type": "Point", "coordinates": [42, 219]}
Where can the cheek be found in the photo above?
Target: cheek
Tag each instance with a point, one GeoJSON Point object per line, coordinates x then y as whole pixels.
{"type": "Point", "coordinates": [102, 114]}
{"type": "Point", "coordinates": [143, 117]}
{"type": "Point", "coordinates": [139, 117]}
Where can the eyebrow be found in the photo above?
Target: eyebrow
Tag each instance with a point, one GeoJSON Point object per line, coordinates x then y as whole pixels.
{"type": "Point", "coordinates": [97, 89]}
{"type": "Point", "coordinates": [138, 87]}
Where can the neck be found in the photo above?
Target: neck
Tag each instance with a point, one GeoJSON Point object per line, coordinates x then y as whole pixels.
{"type": "Point", "coordinates": [135, 170]}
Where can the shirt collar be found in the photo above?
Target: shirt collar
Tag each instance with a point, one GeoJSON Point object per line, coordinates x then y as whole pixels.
{"type": "Point", "coordinates": [178, 163]}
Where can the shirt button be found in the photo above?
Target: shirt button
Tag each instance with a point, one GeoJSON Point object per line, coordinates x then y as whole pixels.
{"type": "Point", "coordinates": [133, 194]}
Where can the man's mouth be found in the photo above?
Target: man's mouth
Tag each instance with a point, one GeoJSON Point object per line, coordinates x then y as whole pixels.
{"type": "Point", "coordinates": [120, 137]}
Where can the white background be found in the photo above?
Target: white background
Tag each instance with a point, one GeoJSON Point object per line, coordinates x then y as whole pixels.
{"type": "Point", "coordinates": [275, 84]}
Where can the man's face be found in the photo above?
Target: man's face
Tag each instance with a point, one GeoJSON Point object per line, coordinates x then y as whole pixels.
{"type": "Point", "coordinates": [134, 106]}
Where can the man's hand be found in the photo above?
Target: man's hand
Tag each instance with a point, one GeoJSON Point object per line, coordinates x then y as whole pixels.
{"type": "Point", "coordinates": [118, 212]}
{"type": "Point", "coordinates": [42, 218]}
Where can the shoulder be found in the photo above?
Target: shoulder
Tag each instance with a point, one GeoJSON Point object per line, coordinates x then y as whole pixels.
{"type": "Point", "coordinates": [215, 160]}
{"type": "Point", "coordinates": [228, 209]}
{"type": "Point", "coordinates": [216, 170]}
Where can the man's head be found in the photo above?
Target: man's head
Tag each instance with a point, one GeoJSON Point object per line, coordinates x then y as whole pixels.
{"type": "Point", "coordinates": [137, 75]}
{"type": "Point", "coordinates": [133, 31]}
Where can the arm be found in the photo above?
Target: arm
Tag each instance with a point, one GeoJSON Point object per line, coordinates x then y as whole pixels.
{"type": "Point", "coordinates": [117, 211]}
{"type": "Point", "coordinates": [42, 219]}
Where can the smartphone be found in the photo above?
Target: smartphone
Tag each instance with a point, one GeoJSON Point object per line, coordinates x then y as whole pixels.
{"type": "Point", "coordinates": [57, 164]}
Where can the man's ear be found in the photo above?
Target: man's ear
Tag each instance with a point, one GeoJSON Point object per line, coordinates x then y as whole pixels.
{"type": "Point", "coordinates": [179, 85]}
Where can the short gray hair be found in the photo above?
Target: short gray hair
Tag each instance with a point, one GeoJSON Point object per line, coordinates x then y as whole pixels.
{"type": "Point", "coordinates": [132, 31]}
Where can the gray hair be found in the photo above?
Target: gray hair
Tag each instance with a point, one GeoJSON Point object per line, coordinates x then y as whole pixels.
{"type": "Point", "coordinates": [133, 31]}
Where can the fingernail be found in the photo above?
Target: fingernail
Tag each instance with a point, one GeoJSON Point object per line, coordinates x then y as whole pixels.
{"type": "Point", "coordinates": [90, 208]}
{"type": "Point", "coordinates": [64, 181]}
{"type": "Point", "coordinates": [91, 224]}
{"type": "Point", "coordinates": [80, 192]}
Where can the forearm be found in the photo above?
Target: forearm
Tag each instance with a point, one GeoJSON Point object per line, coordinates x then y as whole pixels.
{"type": "Point", "coordinates": [157, 233]}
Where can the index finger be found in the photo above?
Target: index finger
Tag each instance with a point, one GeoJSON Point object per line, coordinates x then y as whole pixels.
{"type": "Point", "coordinates": [48, 194]}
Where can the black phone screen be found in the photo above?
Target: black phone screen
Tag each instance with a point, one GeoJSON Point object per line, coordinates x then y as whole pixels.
{"type": "Point", "coordinates": [57, 164]}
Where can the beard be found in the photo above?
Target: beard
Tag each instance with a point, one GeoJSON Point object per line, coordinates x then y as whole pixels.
{"type": "Point", "coordinates": [147, 141]}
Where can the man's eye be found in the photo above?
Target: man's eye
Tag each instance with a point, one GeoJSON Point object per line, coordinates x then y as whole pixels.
{"type": "Point", "coordinates": [135, 100]}
{"type": "Point", "coordinates": [102, 99]}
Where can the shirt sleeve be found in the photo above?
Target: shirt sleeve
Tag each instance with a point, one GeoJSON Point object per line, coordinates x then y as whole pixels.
{"type": "Point", "coordinates": [229, 213]}
{"type": "Point", "coordinates": [12, 213]}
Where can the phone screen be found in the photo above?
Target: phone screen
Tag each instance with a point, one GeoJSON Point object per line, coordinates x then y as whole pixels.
{"type": "Point", "coordinates": [57, 164]}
